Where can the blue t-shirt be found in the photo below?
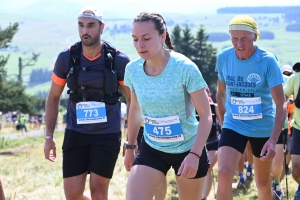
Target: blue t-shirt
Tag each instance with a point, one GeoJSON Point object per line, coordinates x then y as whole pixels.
{"type": "Point", "coordinates": [249, 107]}
{"type": "Point", "coordinates": [167, 95]}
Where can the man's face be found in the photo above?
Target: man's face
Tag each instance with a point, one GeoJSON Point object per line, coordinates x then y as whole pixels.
{"type": "Point", "coordinates": [89, 30]}
{"type": "Point", "coordinates": [243, 42]}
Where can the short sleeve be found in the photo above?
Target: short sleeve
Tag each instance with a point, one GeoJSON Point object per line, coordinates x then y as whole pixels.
{"type": "Point", "coordinates": [218, 69]}
{"type": "Point", "coordinates": [288, 88]}
{"type": "Point", "coordinates": [127, 77]}
{"type": "Point", "coordinates": [121, 60]}
{"type": "Point", "coordinates": [192, 78]}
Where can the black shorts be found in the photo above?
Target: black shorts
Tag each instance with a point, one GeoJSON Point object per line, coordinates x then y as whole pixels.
{"type": "Point", "coordinates": [90, 153]}
{"type": "Point", "coordinates": [164, 161]}
{"type": "Point", "coordinates": [140, 136]}
{"type": "Point", "coordinates": [238, 142]}
{"type": "Point", "coordinates": [284, 133]}
{"type": "Point", "coordinates": [295, 142]}
{"type": "Point", "coordinates": [212, 146]}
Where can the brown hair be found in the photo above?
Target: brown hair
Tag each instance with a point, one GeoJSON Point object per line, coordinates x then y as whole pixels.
{"type": "Point", "coordinates": [159, 23]}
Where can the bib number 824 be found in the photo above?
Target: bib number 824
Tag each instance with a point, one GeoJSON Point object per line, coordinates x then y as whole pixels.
{"type": "Point", "coordinates": [246, 109]}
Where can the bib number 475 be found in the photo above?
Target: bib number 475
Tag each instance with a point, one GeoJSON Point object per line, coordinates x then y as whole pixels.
{"type": "Point", "coordinates": [161, 130]}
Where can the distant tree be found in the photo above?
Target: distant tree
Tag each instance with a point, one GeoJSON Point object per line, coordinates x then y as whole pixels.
{"type": "Point", "coordinates": [6, 36]}
{"type": "Point", "coordinates": [187, 43]}
{"type": "Point", "coordinates": [199, 51]}
{"type": "Point", "coordinates": [267, 35]}
{"type": "Point", "coordinates": [205, 59]}
{"type": "Point", "coordinates": [293, 14]}
{"type": "Point", "coordinates": [13, 96]}
{"type": "Point", "coordinates": [218, 37]}
{"type": "Point", "coordinates": [176, 37]}
{"type": "Point", "coordinates": [293, 27]}
{"type": "Point", "coordinates": [39, 76]}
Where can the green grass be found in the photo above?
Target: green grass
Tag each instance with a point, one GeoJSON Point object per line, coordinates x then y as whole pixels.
{"type": "Point", "coordinates": [26, 174]}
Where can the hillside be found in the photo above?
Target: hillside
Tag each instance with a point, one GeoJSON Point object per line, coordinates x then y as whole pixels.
{"type": "Point", "coordinates": [47, 28]}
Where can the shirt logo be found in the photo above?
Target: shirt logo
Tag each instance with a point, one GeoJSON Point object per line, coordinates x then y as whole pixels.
{"type": "Point", "coordinates": [254, 78]}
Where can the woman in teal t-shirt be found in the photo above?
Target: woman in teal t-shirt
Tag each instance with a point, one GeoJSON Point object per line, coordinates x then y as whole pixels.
{"type": "Point", "coordinates": [166, 87]}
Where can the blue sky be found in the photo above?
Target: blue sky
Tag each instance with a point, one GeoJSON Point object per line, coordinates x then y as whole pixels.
{"type": "Point", "coordinates": [164, 6]}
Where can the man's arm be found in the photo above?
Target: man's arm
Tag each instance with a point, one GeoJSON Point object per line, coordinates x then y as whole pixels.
{"type": "Point", "coordinates": [269, 150]}
{"type": "Point", "coordinates": [52, 107]}
{"type": "Point", "coordinates": [221, 98]}
{"type": "Point", "coordinates": [126, 92]}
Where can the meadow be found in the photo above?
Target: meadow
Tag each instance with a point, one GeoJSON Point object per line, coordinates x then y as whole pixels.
{"type": "Point", "coordinates": [26, 174]}
{"type": "Point", "coordinates": [49, 36]}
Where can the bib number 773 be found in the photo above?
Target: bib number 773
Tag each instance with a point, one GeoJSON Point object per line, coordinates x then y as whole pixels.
{"type": "Point", "coordinates": [90, 113]}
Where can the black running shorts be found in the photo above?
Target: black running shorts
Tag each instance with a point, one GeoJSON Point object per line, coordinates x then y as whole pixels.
{"type": "Point", "coordinates": [238, 142]}
{"type": "Point", "coordinates": [95, 153]}
{"type": "Point", "coordinates": [284, 133]}
{"type": "Point", "coordinates": [164, 161]}
{"type": "Point", "coordinates": [295, 142]}
{"type": "Point", "coordinates": [213, 146]}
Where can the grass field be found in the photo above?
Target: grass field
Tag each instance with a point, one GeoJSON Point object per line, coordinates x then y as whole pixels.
{"type": "Point", "coordinates": [27, 175]}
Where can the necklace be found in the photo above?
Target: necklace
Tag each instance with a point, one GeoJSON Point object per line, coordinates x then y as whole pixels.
{"type": "Point", "coordinates": [152, 72]}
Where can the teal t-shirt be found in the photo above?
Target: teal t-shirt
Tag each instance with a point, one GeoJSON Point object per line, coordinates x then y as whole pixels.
{"type": "Point", "coordinates": [167, 95]}
{"type": "Point", "coordinates": [249, 107]}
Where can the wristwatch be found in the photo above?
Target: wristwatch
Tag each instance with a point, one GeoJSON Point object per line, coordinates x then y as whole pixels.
{"type": "Point", "coordinates": [48, 137]}
{"type": "Point", "coordinates": [129, 146]}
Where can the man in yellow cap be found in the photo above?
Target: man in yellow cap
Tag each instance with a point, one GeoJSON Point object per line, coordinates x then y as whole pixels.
{"type": "Point", "coordinates": [249, 79]}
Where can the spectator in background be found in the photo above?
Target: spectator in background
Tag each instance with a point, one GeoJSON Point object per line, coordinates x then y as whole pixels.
{"type": "Point", "coordinates": [22, 122]}
{"type": "Point", "coordinates": [14, 118]}
{"type": "Point", "coordinates": [278, 160]}
{"type": "Point", "coordinates": [40, 120]}
{"type": "Point", "coordinates": [292, 88]}
{"type": "Point", "coordinates": [8, 119]}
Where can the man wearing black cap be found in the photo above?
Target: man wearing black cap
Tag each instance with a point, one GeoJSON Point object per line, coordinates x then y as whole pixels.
{"type": "Point", "coordinates": [92, 69]}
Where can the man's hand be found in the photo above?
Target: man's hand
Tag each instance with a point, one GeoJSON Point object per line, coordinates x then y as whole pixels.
{"type": "Point", "coordinates": [269, 151]}
{"type": "Point", "coordinates": [129, 159]}
{"type": "Point", "coordinates": [50, 145]}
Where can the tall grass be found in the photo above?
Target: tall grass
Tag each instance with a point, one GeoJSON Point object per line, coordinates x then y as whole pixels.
{"type": "Point", "coordinates": [26, 174]}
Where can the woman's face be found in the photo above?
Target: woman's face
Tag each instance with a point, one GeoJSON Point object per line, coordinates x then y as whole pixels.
{"type": "Point", "coordinates": [147, 40]}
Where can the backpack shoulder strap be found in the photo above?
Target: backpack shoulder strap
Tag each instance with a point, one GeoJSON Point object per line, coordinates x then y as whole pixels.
{"type": "Point", "coordinates": [75, 52]}
{"type": "Point", "coordinates": [109, 53]}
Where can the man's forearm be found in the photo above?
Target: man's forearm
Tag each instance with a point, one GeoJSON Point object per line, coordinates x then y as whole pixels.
{"type": "Point", "coordinates": [280, 117]}
{"type": "Point", "coordinates": [52, 106]}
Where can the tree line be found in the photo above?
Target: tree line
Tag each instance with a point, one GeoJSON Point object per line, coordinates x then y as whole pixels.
{"type": "Point", "coordinates": [199, 51]}
{"type": "Point", "coordinates": [13, 96]}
